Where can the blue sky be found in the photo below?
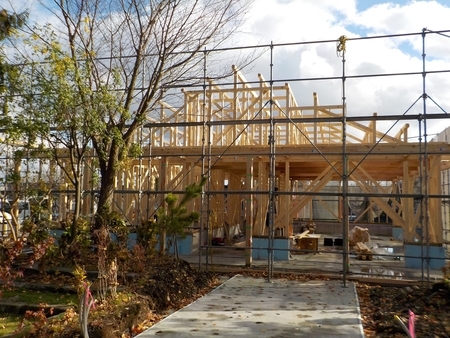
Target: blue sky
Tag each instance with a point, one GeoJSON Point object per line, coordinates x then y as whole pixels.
{"type": "Point", "coordinates": [362, 5]}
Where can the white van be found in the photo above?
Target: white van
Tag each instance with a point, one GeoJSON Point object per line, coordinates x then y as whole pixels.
{"type": "Point", "coordinates": [5, 217]}
{"type": "Point", "coordinates": [5, 222]}
{"type": "Point", "coordinates": [5, 208]}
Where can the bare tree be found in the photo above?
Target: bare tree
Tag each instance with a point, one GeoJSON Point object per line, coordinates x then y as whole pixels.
{"type": "Point", "coordinates": [126, 54]}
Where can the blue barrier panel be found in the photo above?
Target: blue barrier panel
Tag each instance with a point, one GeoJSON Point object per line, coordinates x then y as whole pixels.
{"type": "Point", "coordinates": [184, 245]}
{"type": "Point", "coordinates": [414, 253]}
{"type": "Point", "coordinates": [397, 233]}
{"type": "Point", "coordinates": [260, 248]}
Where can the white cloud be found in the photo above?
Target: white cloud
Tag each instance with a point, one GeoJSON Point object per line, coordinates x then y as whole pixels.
{"type": "Point", "coordinates": [300, 21]}
{"type": "Point", "coordinates": [314, 65]}
{"type": "Point", "coordinates": [389, 18]}
{"type": "Point", "coordinates": [289, 21]}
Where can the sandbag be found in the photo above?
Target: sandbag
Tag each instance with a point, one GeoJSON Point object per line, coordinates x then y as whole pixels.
{"type": "Point", "coordinates": [358, 234]}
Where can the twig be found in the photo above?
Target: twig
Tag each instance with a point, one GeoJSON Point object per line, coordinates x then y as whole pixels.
{"type": "Point", "coordinates": [86, 302]}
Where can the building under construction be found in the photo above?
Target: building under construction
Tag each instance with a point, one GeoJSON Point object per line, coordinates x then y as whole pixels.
{"type": "Point", "coordinates": [273, 162]}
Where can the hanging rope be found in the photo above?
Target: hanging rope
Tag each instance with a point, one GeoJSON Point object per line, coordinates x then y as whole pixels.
{"type": "Point", "coordinates": [340, 48]}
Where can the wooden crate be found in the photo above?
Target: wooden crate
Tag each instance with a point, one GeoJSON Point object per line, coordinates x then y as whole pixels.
{"type": "Point", "coordinates": [308, 243]}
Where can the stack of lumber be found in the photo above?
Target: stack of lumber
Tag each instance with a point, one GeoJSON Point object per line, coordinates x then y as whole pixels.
{"type": "Point", "coordinates": [303, 234]}
{"type": "Point", "coordinates": [363, 252]}
{"type": "Point", "coordinates": [295, 238]}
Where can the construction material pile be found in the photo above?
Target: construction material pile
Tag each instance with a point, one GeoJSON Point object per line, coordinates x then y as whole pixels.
{"type": "Point", "coordinates": [357, 237]}
{"type": "Point", "coordinates": [358, 234]}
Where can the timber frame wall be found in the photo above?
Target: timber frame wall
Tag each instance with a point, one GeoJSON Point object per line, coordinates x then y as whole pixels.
{"type": "Point", "coordinates": [256, 137]}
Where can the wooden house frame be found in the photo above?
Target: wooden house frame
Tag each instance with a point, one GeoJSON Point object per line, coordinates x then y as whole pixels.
{"type": "Point", "coordinates": [223, 132]}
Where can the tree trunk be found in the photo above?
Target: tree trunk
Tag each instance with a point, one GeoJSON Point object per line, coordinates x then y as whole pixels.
{"type": "Point", "coordinates": [108, 171]}
{"type": "Point", "coordinates": [106, 197]}
{"type": "Point", "coordinates": [76, 215]}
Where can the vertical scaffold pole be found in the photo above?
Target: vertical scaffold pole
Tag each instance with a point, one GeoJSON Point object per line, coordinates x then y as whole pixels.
{"type": "Point", "coordinates": [270, 242]}
{"type": "Point", "coordinates": [341, 49]}
{"type": "Point", "coordinates": [204, 205]}
{"type": "Point", "coordinates": [424, 166]}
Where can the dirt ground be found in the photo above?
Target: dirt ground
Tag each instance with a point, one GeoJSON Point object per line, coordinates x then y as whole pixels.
{"type": "Point", "coordinates": [171, 284]}
{"type": "Point", "coordinates": [379, 305]}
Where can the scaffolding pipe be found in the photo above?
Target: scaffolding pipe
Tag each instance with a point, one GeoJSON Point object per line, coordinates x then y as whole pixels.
{"type": "Point", "coordinates": [341, 48]}
{"type": "Point", "coordinates": [425, 159]}
{"type": "Point", "coordinates": [206, 155]}
{"type": "Point", "coordinates": [204, 204]}
{"type": "Point", "coordinates": [270, 243]}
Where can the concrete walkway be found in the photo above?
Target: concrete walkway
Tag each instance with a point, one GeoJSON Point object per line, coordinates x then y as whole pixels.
{"type": "Point", "coordinates": [250, 307]}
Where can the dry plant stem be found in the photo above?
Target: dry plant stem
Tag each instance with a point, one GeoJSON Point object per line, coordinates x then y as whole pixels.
{"type": "Point", "coordinates": [86, 302]}
{"type": "Point", "coordinates": [103, 237]}
{"type": "Point", "coordinates": [107, 270]}
{"type": "Point", "coordinates": [112, 277]}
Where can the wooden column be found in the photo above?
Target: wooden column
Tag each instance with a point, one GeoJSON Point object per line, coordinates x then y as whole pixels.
{"type": "Point", "coordinates": [263, 200]}
{"type": "Point", "coordinates": [408, 204]}
{"type": "Point", "coordinates": [216, 203]}
{"type": "Point", "coordinates": [287, 199]}
{"type": "Point", "coordinates": [374, 130]}
{"type": "Point", "coordinates": [283, 217]}
{"type": "Point", "coordinates": [163, 167]}
{"type": "Point", "coordinates": [233, 201]}
{"type": "Point", "coordinates": [434, 204]}
{"type": "Point", "coordinates": [249, 213]}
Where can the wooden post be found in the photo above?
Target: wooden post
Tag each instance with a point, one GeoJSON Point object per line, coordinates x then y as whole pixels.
{"type": "Point", "coordinates": [435, 231]}
{"type": "Point", "coordinates": [408, 204]}
{"type": "Point", "coordinates": [287, 200]}
{"type": "Point", "coordinates": [374, 130]}
{"type": "Point", "coordinates": [162, 186]}
{"type": "Point", "coordinates": [249, 213]}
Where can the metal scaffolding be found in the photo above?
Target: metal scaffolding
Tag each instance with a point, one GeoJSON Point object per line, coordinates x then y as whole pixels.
{"type": "Point", "coordinates": [269, 159]}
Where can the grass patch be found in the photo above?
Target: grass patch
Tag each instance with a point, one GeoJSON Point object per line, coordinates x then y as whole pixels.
{"type": "Point", "coordinates": [19, 295]}
{"type": "Point", "coordinates": [9, 323]}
